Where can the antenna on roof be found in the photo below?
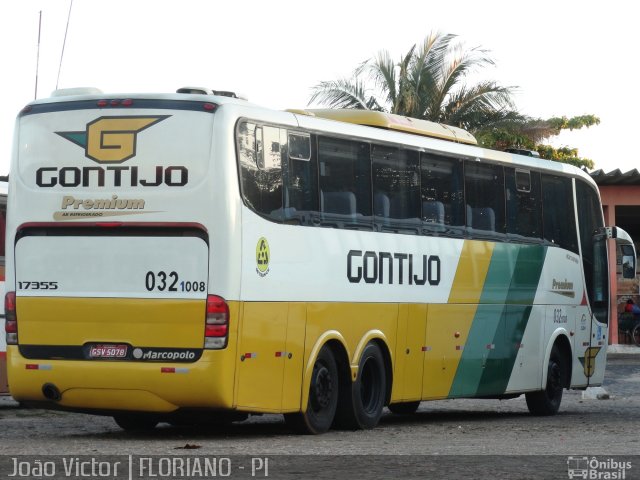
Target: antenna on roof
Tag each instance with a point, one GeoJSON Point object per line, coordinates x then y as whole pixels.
{"type": "Point", "coordinates": [64, 43]}
{"type": "Point", "coordinates": [35, 95]}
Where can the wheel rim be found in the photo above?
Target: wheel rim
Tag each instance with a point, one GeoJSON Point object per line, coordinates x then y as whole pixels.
{"type": "Point", "coordinates": [322, 388]}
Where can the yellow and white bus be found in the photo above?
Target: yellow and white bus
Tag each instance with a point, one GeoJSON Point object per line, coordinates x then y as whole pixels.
{"type": "Point", "coordinates": [4, 385]}
{"type": "Point", "coordinates": [177, 255]}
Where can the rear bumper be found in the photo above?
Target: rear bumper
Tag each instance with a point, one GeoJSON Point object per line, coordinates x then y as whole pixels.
{"type": "Point", "coordinates": [125, 386]}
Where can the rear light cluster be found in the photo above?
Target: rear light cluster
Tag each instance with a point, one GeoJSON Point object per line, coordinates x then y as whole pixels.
{"type": "Point", "coordinates": [11, 320]}
{"type": "Point", "coordinates": [127, 102]}
{"type": "Point", "coordinates": [216, 329]}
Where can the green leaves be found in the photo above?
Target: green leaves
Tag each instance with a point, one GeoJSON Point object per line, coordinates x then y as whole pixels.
{"type": "Point", "coordinates": [428, 82]}
{"type": "Point", "coordinates": [432, 82]}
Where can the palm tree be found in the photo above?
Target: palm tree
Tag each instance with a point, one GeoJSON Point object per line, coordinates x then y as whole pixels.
{"type": "Point", "coordinates": [428, 83]}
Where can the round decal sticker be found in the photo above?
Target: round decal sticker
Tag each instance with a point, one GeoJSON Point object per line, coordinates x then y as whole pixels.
{"type": "Point", "coordinates": [262, 257]}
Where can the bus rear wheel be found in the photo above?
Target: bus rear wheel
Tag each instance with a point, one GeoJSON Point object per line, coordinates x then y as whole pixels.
{"type": "Point", "coordinates": [547, 402]}
{"type": "Point", "coordinates": [136, 422]}
{"type": "Point", "coordinates": [323, 397]}
{"type": "Point", "coordinates": [361, 405]}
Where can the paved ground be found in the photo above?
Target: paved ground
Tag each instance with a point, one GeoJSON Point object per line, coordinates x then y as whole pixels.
{"type": "Point", "coordinates": [443, 430]}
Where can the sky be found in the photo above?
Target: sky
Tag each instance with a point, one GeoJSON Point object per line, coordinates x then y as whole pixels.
{"type": "Point", "coordinates": [565, 57]}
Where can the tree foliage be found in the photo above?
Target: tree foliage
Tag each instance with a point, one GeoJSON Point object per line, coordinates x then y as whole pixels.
{"type": "Point", "coordinates": [529, 133]}
{"type": "Point", "coordinates": [432, 82]}
{"type": "Point", "coordinates": [429, 82]}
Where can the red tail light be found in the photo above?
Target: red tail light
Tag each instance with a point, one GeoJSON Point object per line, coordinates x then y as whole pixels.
{"type": "Point", "coordinates": [11, 320]}
{"type": "Point", "coordinates": [216, 323]}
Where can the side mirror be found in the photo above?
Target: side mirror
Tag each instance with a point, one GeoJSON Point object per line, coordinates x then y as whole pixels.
{"type": "Point", "coordinates": [629, 258]}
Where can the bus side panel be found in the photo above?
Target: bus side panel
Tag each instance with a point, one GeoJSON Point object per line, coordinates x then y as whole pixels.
{"type": "Point", "coordinates": [527, 374]}
{"type": "Point", "coordinates": [594, 358]}
{"type": "Point", "coordinates": [294, 357]}
{"type": "Point", "coordinates": [581, 342]}
{"type": "Point", "coordinates": [270, 356]}
{"type": "Point", "coordinates": [260, 364]}
{"type": "Point", "coordinates": [409, 362]}
{"type": "Point", "coordinates": [447, 332]}
{"type": "Point", "coordinates": [448, 326]}
{"type": "Point", "coordinates": [353, 321]}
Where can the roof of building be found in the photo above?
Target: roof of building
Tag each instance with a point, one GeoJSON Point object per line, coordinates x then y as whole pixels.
{"type": "Point", "coordinates": [616, 177]}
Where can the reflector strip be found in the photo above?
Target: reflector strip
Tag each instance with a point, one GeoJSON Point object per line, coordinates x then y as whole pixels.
{"type": "Point", "coordinates": [585, 344]}
{"type": "Point", "coordinates": [426, 349]}
{"type": "Point", "coordinates": [173, 370]}
{"type": "Point", "coordinates": [250, 355]}
{"type": "Point", "coordinates": [35, 366]}
{"type": "Point", "coordinates": [282, 354]}
{"type": "Point", "coordinates": [491, 346]}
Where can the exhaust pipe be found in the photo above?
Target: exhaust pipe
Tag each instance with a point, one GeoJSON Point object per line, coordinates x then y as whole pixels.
{"type": "Point", "coordinates": [51, 392]}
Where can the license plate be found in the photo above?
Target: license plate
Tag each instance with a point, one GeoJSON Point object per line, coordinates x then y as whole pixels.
{"type": "Point", "coordinates": [108, 351]}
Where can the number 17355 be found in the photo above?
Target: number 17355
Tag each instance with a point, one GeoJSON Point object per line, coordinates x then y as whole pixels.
{"type": "Point", "coordinates": [37, 285]}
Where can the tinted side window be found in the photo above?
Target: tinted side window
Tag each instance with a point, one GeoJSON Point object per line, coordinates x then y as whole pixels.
{"type": "Point", "coordinates": [558, 217]}
{"type": "Point", "coordinates": [259, 157]}
{"type": "Point", "coordinates": [594, 250]}
{"type": "Point", "coordinates": [484, 194]}
{"type": "Point", "coordinates": [442, 192]}
{"type": "Point", "coordinates": [345, 182]}
{"type": "Point", "coordinates": [300, 173]}
{"type": "Point", "coordinates": [396, 188]}
{"type": "Point", "coordinates": [524, 203]}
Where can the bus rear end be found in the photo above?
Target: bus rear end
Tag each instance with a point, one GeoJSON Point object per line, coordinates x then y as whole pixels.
{"type": "Point", "coordinates": [108, 303]}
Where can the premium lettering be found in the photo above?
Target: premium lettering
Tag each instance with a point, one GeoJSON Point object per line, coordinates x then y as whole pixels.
{"type": "Point", "coordinates": [113, 203]}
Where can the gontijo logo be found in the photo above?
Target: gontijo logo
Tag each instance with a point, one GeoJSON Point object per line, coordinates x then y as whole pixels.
{"type": "Point", "coordinates": [111, 140]}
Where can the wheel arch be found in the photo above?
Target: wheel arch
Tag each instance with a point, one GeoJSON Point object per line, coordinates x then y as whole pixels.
{"type": "Point", "coordinates": [560, 340]}
{"type": "Point", "coordinates": [336, 342]}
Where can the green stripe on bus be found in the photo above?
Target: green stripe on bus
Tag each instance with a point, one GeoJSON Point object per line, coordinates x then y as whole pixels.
{"type": "Point", "coordinates": [500, 321]}
{"type": "Point", "coordinates": [513, 321]}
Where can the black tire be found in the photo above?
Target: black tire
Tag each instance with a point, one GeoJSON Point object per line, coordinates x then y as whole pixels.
{"type": "Point", "coordinates": [635, 335]}
{"type": "Point", "coordinates": [323, 397]}
{"type": "Point", "coordinates": [360, 407]}
{"type": "Point", "coordinates": [547, 402]}
{"type": "Point", "coordinates": [404, 408]}
{"type": "Point", "coordinates": [136, 423]}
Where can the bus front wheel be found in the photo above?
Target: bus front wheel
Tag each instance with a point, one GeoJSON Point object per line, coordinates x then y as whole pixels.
{"type": "Point", "coordinates": [323, 397]}
{"type": "Point", "coordinates": [547, 401]}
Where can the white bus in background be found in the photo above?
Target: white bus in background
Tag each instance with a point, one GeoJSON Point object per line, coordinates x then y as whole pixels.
{"type": "Point", "coordinates": [4, 388]}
